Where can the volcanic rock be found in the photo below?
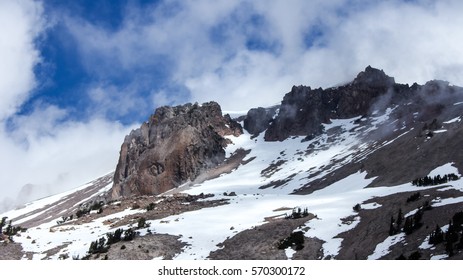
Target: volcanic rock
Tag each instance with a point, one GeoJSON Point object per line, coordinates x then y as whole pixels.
{"type": "Point", "coordinates": [303, 109]}
{"type": "Point", "coordinates": [258, 119]}
{"type": "Point", "coordinates": [176, 145]}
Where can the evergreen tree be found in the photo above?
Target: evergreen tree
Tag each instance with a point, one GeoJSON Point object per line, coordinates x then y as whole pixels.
{"type": "Point", "coordinates": [460, 243]}
{"type": "Point", "coordinates": [417, 219]}
{"type": "Point", "coordinates": [449, 248]}
{"type": "Point", "coordinates": [458, 220]}
{"type": "Point", "coordinates": [9, 229]}
{"type": "Point", "coordinates": [151, 206]}
{"type": "Point", "coordinates": [114, 237]}
{"type": "Point", "coordinates": [129, 234]}
{"type": "Point", "coordinates": [413, 197]}
{"type": "Point", "coordinates": [141, 222]}
{"type": "Point", "coordinates": [98, 246]}
{"type": "Point", "coordinates": [400, 218]}
{"type": "Point", "coordinates": [437, 236]}
{"type": "Point", "coordinates": [392, 230]}
{"type": "Point", "coordinates": [2, 223]}
{"type": "Point", "coordinates": [408, 226]}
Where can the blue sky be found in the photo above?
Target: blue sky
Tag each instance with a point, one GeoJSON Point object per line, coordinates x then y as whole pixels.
{"type": "Point", "coordinates": [77, 76]}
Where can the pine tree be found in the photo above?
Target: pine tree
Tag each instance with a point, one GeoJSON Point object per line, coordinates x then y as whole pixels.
{"type": "Point", "coordinates": [141, 223]}
{"type": "Point", "coordinates": [458, 220]}
{"type": "Point", "coordinates": [392, 230]}
{"type": "Point", "coordinates": [460, 243]}
{"type": "Point", "coordinates": [408, 226]}
{"type": "Point", "coordinates": [417, 219]}
{"type": "Point", "coordinates": [9, 229]}
{"type": "Point", "coordinates": [400, 218]}
{"type": "Point", "coordinates": [129, 234]}
{"type": "Point", "coordinates": [437, 236]}
{"type": "Point", "coordinates": [2, 223]}
{"type": "Point", "coordinates": [449, 248]}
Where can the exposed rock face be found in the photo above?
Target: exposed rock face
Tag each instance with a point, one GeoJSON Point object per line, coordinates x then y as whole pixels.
{"type": "Point", "coordinates": [258, 119]}
{"type": "Point", "coordinates": [174, 146]}
{"type": "Point", "coordinates": [303, 110]}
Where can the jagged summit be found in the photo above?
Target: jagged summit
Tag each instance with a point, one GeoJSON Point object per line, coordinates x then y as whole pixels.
{"type": "Point", "coordinates": [373, 77]}
{"type": "Point", "coordinates": [304, 110]}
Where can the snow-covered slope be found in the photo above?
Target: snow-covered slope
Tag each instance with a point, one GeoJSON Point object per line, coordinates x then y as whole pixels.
{"type": "Point", "coordinates": [260, 192]}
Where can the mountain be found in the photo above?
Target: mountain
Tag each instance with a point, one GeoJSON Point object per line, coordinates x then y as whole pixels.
{"type": "Point", "coordinates": [367, 170]}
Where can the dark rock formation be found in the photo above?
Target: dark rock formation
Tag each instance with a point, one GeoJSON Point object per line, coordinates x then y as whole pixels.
{"type": "Point", "coordinates": [174, 146]}
{"type": "Point", "coordinates": [258, 119]}
{"type": "Point", "coordinates": [303, 110]}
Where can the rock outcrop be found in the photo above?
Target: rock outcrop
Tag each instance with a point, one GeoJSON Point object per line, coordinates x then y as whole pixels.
{"type": "Point", "coordinates": [258, 119]}
{"type": "Point", "coordinates": [303, 110]}
{"type": "Point", "coordinates": [176, 145]}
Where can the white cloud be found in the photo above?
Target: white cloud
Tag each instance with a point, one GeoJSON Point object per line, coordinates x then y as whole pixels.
{"type": "Point", "coordinates": [409, 41]}
{"type": "Point", "coordinates": [413, 41]}
{"type": "Point", "coordinates": [43, 152]}
{"type": "Point", "coordinates": [113, 102]}
{"type": "Point", "coordinates": [55, 156]}
{"type": "Point", "coordinates": [20, 24]}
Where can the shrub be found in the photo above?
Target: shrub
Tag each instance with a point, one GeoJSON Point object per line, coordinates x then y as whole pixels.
{"type": "Point", "coordinates": [129, 234]}
{"type": "Point", "coordinates": [295, 239]}
{"type": "Point", "coordinates": [150, 206]}
{"type": "Point", "coordinates": [142, 223]}
{"type": "Point", "coordinates": [114, 237]}
{"type": "Point", "coordinates": [414, 197]}
{"type": "Point", "coordinates": [99, 246]}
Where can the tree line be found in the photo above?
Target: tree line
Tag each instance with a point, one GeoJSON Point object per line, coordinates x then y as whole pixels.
{"type": "Point", "coordinates": [436, 180]}
{"type": "Point", "coordinates": [298, 213]}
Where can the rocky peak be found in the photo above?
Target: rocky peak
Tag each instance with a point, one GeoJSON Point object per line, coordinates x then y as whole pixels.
{"type": "Point", "coordinates": [174, 146]}
{"type": "Point", "coordinates": [258, 119]}
{"type": "Point", "coordinates": [373, 77]}
{"type": "Point", "coordinates": [304, 110]}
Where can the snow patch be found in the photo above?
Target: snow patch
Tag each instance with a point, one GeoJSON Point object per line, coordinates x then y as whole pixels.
{"type": "Point", "coordinates": [444, 169]}
{"type": "Point", "coordinates": [382, 248]}
{"type": "Point", "coordinates": [439, 257]}
{"type": "Point", "coordinates": [371, 206]}
{"type": "Point", "coordinates": [457, 119]}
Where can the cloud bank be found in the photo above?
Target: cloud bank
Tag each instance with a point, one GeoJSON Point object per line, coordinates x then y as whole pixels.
{"type": "Point", "coordinates": [42, 152]}
{"type": "Point", "coordinates": [232, 51]}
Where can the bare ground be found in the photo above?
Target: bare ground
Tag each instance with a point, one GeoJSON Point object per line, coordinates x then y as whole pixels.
{"type": "Point", "coordinates": [361, 241]}
{"type": "Point", "coordinates": [147, 247]}
{"type": "Point", "coordinates": [261, 242]}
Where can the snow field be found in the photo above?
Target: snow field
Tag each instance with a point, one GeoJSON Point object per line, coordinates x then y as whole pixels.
{"type": "Point", "coordinates": [204, 229]}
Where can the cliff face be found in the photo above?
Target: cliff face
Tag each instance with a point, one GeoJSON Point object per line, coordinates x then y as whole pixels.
{"type": "Point", "coordinates": [174, 146]}
{"type": "Point", "coordinates": [304, 109]}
